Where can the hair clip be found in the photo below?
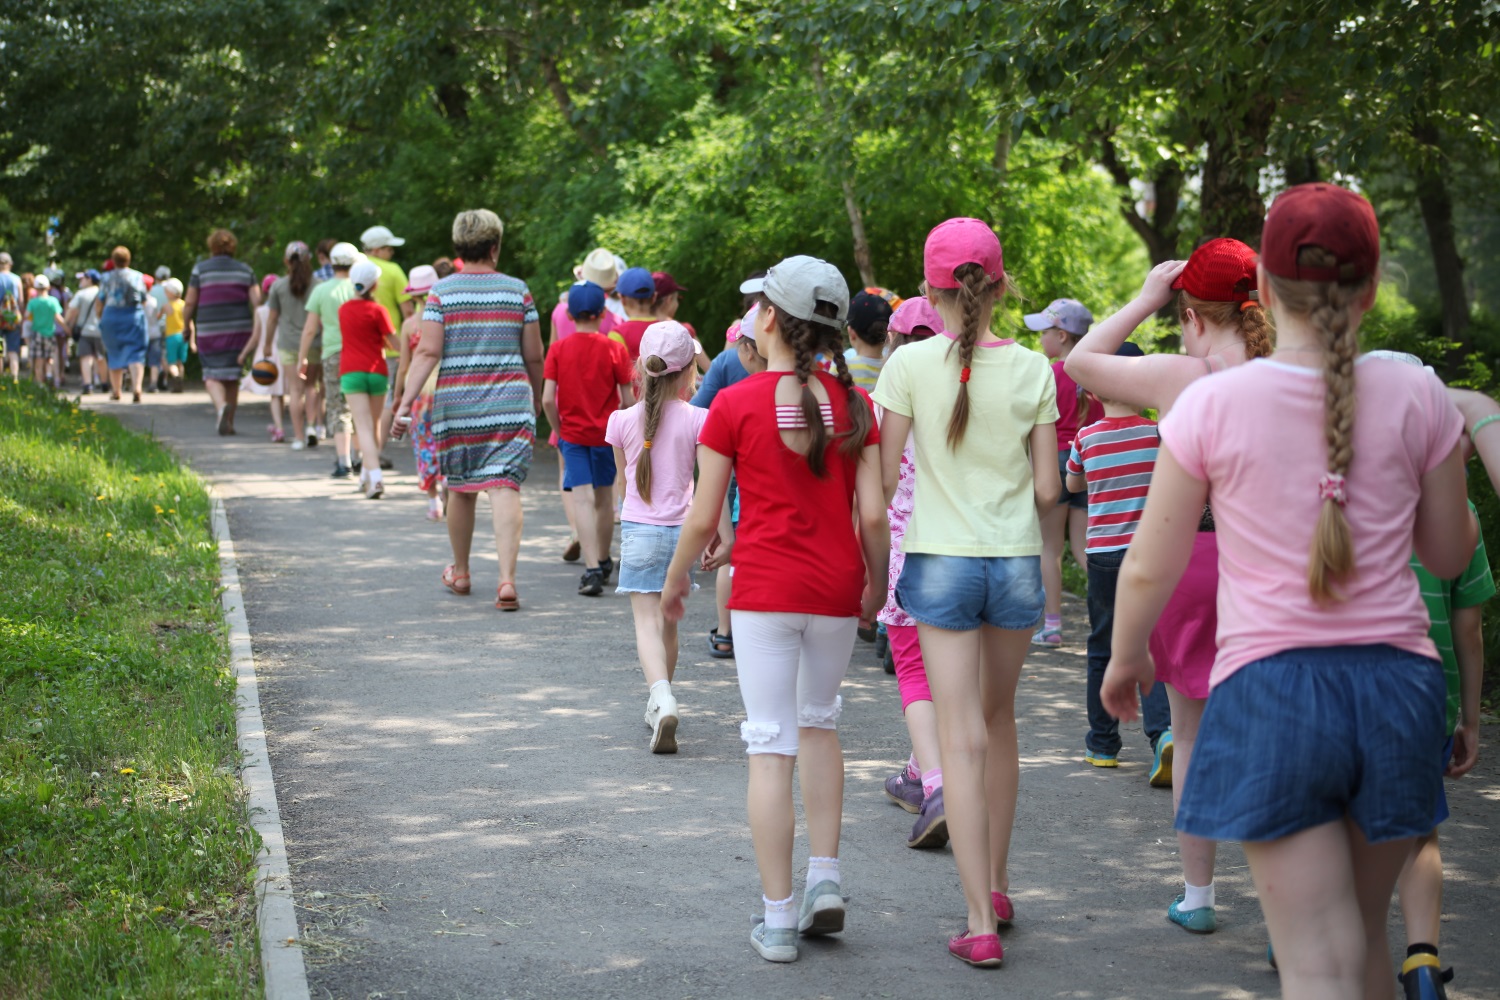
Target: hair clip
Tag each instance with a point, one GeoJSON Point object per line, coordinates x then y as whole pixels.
{"type": "Point", "coordinates": [647, 445]}
{"type": "Point", "coordinates": [963, 376]}
{"type": "Point", "coordinates": [1334, 487]}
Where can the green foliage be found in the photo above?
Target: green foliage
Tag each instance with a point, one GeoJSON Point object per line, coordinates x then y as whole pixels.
{"type": "Point", "coordinates": [127, 863]}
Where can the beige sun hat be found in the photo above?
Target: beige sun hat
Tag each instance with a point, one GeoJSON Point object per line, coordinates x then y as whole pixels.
{"type": "Point", "coordinates": [601, 268]}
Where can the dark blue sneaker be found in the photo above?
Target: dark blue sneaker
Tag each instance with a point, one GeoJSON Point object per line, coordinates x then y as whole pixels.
{"type": "Point", "coordinates": [931, 828]}
{"type": "Point", "coordinates": [1161, 766]}
{"type": "Point", "coordinates": [1422, 978]}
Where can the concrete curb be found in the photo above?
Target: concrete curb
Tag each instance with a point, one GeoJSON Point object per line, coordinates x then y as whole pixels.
{"type": "Point", "coordinates": [282, 971]}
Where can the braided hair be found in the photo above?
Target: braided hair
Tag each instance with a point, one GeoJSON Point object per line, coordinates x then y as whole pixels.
{"type": "Point", "coordinates": [658, 389]}
{"type": "Point", "coordinates": [974, 299]}
{"type": "Point", "coordinates": [1327, 305]}
{"type": "Point", "coordinates": [807, 340]}
{"type": "Point", "coordinates": [1251, 320]}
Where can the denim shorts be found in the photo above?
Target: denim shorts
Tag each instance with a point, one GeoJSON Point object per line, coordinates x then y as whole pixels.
{"type": "Point", "coordinates": [587, 465]}
{"type": "Point", "coordinates": [1078, 501]}
{"type": "Point", "coordinates": [960, 593]}
{"type": "Point", "coordinates": [1308, 736]}
{"type": "Point", "coordinates": [645, 553]}
{"type": "Point", "coordinates": [12, 341]}
{"type": "Point", "coordinates": [153, 353]}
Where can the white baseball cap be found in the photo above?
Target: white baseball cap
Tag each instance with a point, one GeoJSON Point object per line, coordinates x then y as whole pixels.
{"type": "Point", "coordinates": [364, 276]}
{"type": "Point", "coordinates": [797, 284]}
{"type": "Point", "coordinates": [41, 282]}
{"type": "Point", "coordinates": [379, 236]}
{"type": "Point", "coordinates": [344, 255]}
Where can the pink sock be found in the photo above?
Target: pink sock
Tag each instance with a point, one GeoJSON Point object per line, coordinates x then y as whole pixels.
{"type": "Point", "coordinates": [932, 780]}
{"type": "Point", "coordinates": [1053, 621]}
{"type": "Point", "coordinates": [912, 770]}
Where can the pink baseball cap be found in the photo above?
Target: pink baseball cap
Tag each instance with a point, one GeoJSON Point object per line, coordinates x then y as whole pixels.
{"type": "Point", "coordinates": [957, 242]}
{"type": "Point", "coordinates": [266, 283]}
{"type": "Point", "coordinates": [670, 341]}
{"type": "Point", "coordinates": [912, 313]}
{"type": "Point", "coordinates": [421, 279]}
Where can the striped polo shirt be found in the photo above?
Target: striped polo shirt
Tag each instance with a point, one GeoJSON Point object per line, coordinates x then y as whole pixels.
{"type": "Point", "coordinates": [1115, 456]}
{"type": "Point", "coordinates": [224, 319]}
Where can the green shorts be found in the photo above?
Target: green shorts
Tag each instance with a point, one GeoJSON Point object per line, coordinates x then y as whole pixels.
{"type": "Point", "coordinates": [368, 383]}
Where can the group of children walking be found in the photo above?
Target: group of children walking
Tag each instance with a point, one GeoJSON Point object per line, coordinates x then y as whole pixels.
{"type": "Point", "coordinates": [1257, 543]}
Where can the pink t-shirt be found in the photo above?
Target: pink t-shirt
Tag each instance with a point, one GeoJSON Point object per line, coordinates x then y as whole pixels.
{"type": "Point", "coordinates": [674, 452]}
{"type": "Point", "coordinates": [563, 325]}
{"type": "Point", "coordinates": [1255, 434]}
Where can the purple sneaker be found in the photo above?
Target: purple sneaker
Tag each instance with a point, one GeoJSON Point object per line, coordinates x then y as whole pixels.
{"type": "Point", "coordinates": [905, 791]}
{"type": "Point", "coordinates": [931, 829]}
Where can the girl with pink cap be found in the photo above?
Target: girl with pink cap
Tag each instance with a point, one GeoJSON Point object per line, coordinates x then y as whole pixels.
{"type": "Point", "coordinates": [979, 410]}
{"type": "Point", "coordinates": [423, 443]}
{"type": "Point", "coordinates": [656, 442]}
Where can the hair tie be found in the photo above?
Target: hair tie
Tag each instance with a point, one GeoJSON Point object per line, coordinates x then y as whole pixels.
{"type": "Point", "coordinates": [1334, 487]}
{"type": "Point", "coordinates": [1249, 304]}
{"type": "Point", "coordinates": [963, 376]}
{"type": "Point", "coordinates": [647, 445]}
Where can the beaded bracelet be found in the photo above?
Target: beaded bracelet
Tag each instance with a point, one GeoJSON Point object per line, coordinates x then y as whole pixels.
{"type": "Point", "coordinates": [1483, 422]}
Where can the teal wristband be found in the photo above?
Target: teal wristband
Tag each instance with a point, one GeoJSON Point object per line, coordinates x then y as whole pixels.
{"type": "Point", "coordinates": [1483, 422]}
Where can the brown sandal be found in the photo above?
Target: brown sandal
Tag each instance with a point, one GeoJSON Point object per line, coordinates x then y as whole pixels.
{"type": "Point", "coordinates": [456, 582]}
{"type": "Point", "coordinates": [504, 603]}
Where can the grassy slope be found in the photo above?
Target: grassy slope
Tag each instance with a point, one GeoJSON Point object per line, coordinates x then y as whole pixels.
{"type": "Point", "coordinates": [127, 865]}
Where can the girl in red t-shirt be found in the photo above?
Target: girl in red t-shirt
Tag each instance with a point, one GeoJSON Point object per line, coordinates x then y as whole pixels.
{"type": "Point", "coordinates": [803, 446]}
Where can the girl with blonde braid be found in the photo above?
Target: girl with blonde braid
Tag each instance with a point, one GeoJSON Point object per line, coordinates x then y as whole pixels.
{"type": "Point", "coordinates": [803, 446]}
{"type": "Point", "coordinates": [655, 442]}
{"type": "Point", "coordinates": [1223, 325]}
{"type": "Point", "coordinates": [980, 409]}
{"type": "Point", "coordinates": [1328, 709]}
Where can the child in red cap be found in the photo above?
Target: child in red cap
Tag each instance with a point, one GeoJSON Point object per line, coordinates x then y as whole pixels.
{"type": "Point", "coordinates": [1328, 709]}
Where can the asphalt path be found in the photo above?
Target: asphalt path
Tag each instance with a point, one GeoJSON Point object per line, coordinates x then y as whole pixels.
{"type": "Point", "coordinates": [471, 810]}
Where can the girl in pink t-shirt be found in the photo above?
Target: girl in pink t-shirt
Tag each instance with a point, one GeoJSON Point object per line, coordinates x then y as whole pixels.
{"type": "Point", "coordinates": [1223, 325]}
{"type": "Point", "coordinates": [804, 449]}
{"type": "Point", "coordinates": [655, 442]}
{"type": "Point", "coordinates": [1320, 746]}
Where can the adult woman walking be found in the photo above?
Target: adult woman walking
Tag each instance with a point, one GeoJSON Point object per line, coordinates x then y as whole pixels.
{"type": "Point", "coordinates": [480, 332]}
{"type": "Point", "coordinates": [122, 322]}
{"type": "Point", "coordinates": [221, 301]}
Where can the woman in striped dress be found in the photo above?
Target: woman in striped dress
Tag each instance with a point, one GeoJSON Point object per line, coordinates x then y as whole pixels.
{"type": "Point", "coordinates": [480, 332]}
{"type": "Point", "coordinates": [221, 301]}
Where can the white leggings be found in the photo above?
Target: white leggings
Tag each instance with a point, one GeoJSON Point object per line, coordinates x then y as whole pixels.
{"type": "Point", "coordinates": [790, 669]}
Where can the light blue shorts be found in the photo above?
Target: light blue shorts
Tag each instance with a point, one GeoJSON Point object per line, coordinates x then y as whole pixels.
{"type": "Point", "coordinates": [645, 553]}
{"type": "Point", "coordinates": [961, 593]}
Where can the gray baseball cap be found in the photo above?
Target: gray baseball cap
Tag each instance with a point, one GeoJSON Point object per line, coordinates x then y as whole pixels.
{"type": "Point", "coordinates": [1065, 314]}
{"type": "Point", "coordinates": [798, 284]}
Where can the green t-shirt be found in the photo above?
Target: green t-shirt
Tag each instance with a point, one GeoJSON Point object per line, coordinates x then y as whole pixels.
{"type": "Point", "coordinates": [325, 299]}
{"type": "Point", "coordinates": [391, 291]}
{"type": "Point", "coordinates": [1443, 597]}
{"type": "Point", "coordinates": [44, 310]}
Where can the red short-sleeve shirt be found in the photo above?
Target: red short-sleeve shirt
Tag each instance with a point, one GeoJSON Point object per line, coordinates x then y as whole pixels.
{"type": "Point", "coordinates": [588, 368]}
{"type": "Point", "coordinates": [796, 549]}
{"type": "Point", "coordinates": [365, 324]}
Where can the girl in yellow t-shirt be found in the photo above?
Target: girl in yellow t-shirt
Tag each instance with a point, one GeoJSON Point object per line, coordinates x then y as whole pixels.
{"type": "Point", "coordinates": [980, 409]}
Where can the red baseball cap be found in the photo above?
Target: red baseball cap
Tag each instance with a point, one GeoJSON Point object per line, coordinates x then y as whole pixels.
{"type": "Point", "coordinates": [1221, 270]}
{"type": "Point", "coordinates": [1326, 216]}
{"type": "Point", "coordinates": [957, 242]}
{"type": "Point", "coordinates": [665, 283]}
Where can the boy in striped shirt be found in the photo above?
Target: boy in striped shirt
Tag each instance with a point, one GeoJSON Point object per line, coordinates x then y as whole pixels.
{"type": "Point", "coordinates": [1112, 459]}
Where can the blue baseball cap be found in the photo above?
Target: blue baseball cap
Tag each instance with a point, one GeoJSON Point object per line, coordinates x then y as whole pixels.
{"type": "Point", "coordinates": [636, 283]}
{"type": "Point", "coordinates": [585, 299]}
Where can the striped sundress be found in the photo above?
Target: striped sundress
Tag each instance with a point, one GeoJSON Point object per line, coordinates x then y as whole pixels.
{"type": "Point", "coordinates": [224, 319]}
{"type": "Point", "coordinates": [483, 414]}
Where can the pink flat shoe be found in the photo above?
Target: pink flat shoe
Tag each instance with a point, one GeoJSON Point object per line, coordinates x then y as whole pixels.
{"type": "Point", "coordinates": [1004, 911]}
{"type": "Point", "coordinates": [980, 950]}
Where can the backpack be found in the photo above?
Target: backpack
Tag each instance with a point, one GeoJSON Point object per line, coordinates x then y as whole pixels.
{"type": "Point", "coordinates": [10, 308]}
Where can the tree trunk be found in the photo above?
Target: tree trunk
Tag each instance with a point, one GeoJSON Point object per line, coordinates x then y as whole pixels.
{"type": "Point", "coordinates": [843, 168]}
{"type": "Point", "coordinates": [565, 105]}
{"type": "Point", "coordinates": [1231, 202]}
{"type": "Point", "coordinates": [1437, 219]}
{"type": "Point", "coordinates": [1001, 159]}
{"type": "Point", "coordinates": [1159, 232]}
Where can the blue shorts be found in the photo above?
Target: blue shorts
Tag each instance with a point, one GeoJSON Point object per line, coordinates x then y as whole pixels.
{"type": "Point", "coordinates": [1441, 816]}
{"type": "Point", "coordinates": [1078, 501]}
{"type": "Point", "coordinates": [153, 353]}
{"type": "Point", "coordinates": [645, 553]}
{"type": "Point", "coordinates": [13, 341]}
{"type": "Point", "coordinates": [1308, 736]}
{"type": "Point", "coordinates": [587, 465]}
{"type": "Point", "coordinates": [961, 593]}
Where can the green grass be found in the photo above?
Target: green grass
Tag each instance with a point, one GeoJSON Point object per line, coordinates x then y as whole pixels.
{"type": "Point", "coordinates": [127, 864]}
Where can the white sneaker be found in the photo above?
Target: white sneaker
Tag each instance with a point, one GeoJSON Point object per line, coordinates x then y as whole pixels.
{"type": "Point", "coordinates": [661, 716]}
{"type": "Point", "coordinates": [374, 488]}
{"type": "Point", "coordinates": [298, 446]}
{"type": "Point", "coordinates": [322, 432]}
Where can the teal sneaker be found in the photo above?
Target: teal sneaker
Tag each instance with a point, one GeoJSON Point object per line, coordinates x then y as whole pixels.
{"type": "Point", "coordinates": [822, 909]}
{"type": "Point", "coordinates": [778, 944]}
{"type": "Point", "coordinates": [1199, 921]}
{"type": "Point", "coordinates": [1101, 759]}
{"type": "Point", "coordinates": [1161, 767]}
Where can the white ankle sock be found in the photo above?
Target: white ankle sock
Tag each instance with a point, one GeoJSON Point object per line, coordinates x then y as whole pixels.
{"type": "Point", "coordinates": [661, 688]}
{"type": "Point", "coordinates": [1196, 897]}
{"type": "Point", "coordinates": [822, 870]}
{"type": "Point", "coordinates": [779, 913]}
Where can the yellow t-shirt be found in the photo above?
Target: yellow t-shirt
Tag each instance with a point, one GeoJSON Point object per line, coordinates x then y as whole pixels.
{"type": "Point", "coordinates": [979, 499]}
{"type": "Point", "coordinates": [391, 292]}
{"type": "Point", "coordinates": [175, 324]}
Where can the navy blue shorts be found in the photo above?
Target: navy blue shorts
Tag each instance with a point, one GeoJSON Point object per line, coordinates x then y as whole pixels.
{"type": "Point", "coordinates": [961, 593]}
{"type": "Point", "coordinates": [1309, 736]}
{"type": "Point", "coordinates": [586, 465]}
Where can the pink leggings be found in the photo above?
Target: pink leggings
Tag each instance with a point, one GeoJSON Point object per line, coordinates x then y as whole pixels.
{"type": "Point", "coordinates": [911, 672]}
